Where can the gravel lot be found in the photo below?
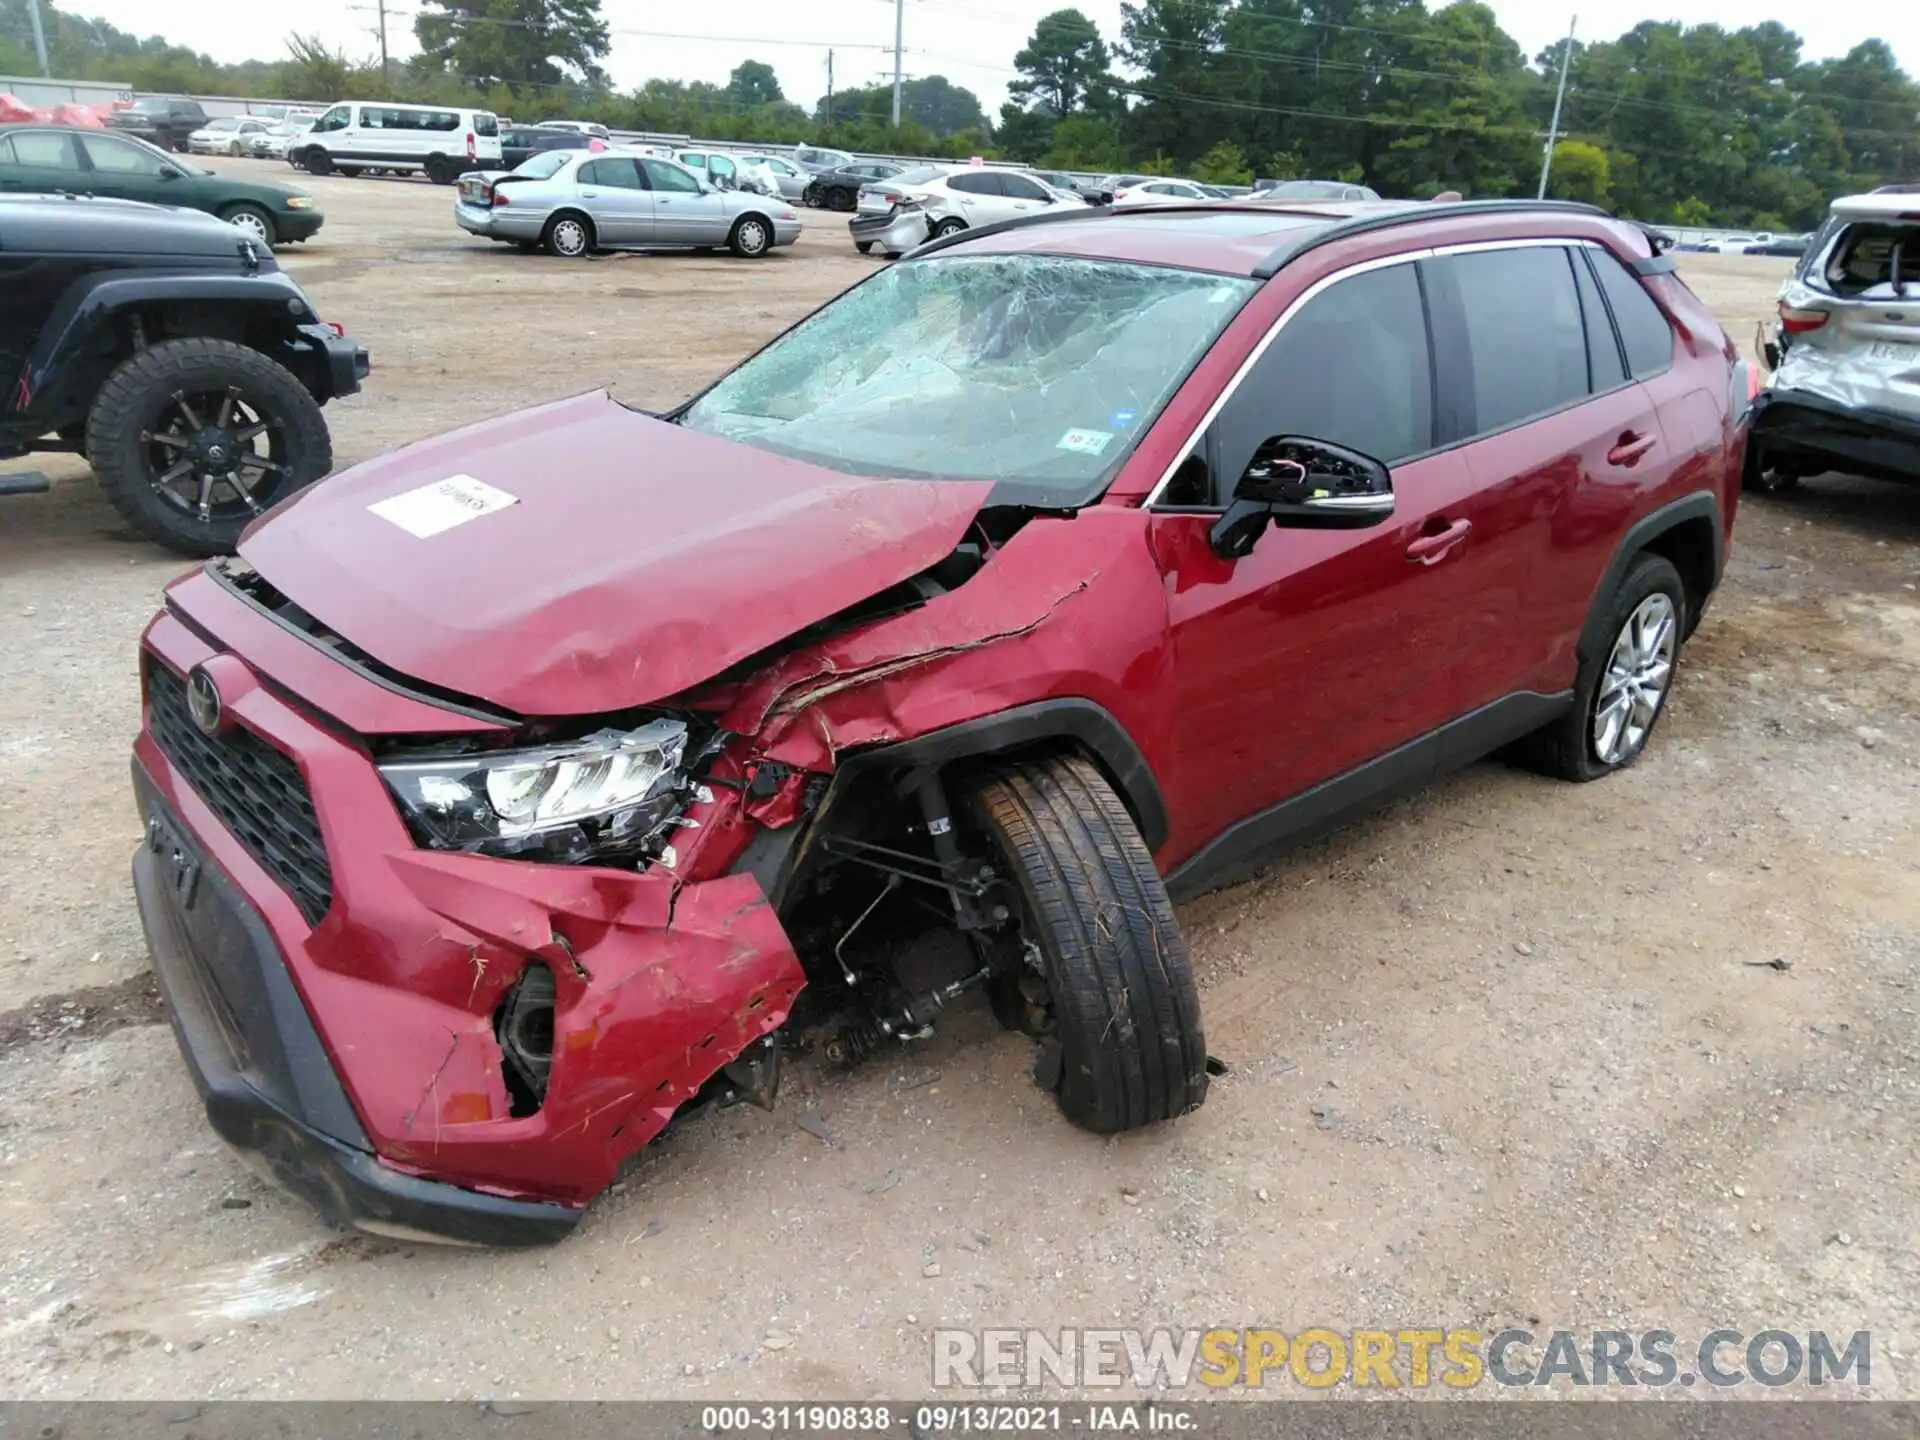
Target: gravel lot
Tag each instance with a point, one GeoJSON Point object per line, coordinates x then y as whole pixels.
{"type": "Point", "coordinates": [1508, 1053]}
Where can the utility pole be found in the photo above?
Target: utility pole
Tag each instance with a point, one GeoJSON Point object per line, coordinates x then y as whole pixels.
{"type": "Point", "coordinates": [899, 32]}
{"type": "Point", "coordinates": [1559, 98]}
{"type": "Point", "coordinates": [386, 77]}
{"type": "Point", "coordinates": [40, 41]}
{"type": "Point", "coordinates": [829, 125]}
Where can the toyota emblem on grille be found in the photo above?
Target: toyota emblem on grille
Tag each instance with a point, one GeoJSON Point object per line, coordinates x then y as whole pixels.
{"type": "Point", "coordinates": [203, 702]}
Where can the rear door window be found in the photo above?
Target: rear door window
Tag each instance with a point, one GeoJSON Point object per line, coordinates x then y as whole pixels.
{"type": "Point", "coordinates": [664, 175]}
{"type": "Point", "coordinates": [485, 124]}
{"type": "Point", "coordinates": [976, 182]}
{"type": "Point", "coordinates": [1526, 343]}
{"type": "Point", "coordinates": [1863, 258]}
{"type": "Point", "coordinates": [1643, 328]}
{"type": "Point", "coordinates": [615, 174]}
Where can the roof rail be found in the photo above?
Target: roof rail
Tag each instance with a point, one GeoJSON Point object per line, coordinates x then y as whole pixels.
{"type": "Point", "coordinates": [1414, 212]}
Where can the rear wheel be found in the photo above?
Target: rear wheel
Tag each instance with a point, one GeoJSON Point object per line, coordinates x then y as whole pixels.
{"type": "Point", "coordinates": [1106, 973]}
{"type": "Point", "coordinates": [191, 439]}
{"type": "Point", "coordinates": [569, 235]}
{"type": "Point", "coordinates": [752, 237]}
{"type": "Point", "coordinates": [840, 198]}
{"type": "Point", "coordinates": [1622, 687]}
{"type": "Point", "coordinates": [865, 247]}
{"type": "Point", "coordinates": [442, 171]}
{"type": "Point", "coordinates": [1767, 474]}
{"type": "Point", "coordinates": [317, 162]}
{"type": "Point", "coordinates": [953, 225]}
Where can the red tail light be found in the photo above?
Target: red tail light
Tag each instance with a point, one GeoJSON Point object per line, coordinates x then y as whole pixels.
{"type": "Point", "coordinates": [337, 328]}
{"type": "Point", "coordinates": [473, 145]}
{"type": "Point", "coordinates": [891, 198]}
{"type": "Point", "coordinates": [1797, 322]}
{"type": "Point", "coordinates": [499, 197]}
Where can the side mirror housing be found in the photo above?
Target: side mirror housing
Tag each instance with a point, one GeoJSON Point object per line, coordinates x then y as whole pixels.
{"type": "Point", "coordinates": [1301, 483]}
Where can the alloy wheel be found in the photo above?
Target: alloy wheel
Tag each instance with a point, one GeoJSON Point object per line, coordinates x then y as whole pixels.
{"type": "Point", "coordinates": [1634, 685]}
{"type": "Point", "coordinates": [215, 454]}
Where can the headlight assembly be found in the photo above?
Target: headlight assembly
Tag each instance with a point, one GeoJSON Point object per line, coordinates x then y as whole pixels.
{"type": "Point", "coordinates": [609, 796]}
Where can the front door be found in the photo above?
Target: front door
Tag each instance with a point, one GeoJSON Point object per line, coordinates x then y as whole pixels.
{"type": "Point", "coordinates": [127, 170]}
{"type": "Point", "coordinates": [1322, 650]}
{"type": "Point", "coordinates": [683, 213]}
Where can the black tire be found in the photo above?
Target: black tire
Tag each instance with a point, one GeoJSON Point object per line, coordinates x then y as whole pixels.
{"type": "Point", "coordinates": [1765, 475]}
{"type": "Point", "coordinates": [317, 162]}
{"type": "Point", "coordinates": [556, 238]}
{"type": "Point", "coordinates": [865, 247]}
{"type": "Point", "coordinates": [139, 391]}
{"type": "Point", "coordinates": [442, 171]}
{"type": "Point", "coordinates": [952, 225]}
{"type": "Point", "coordinates": [752, 238]}
{"type": "Point", "coordinates": [1565, 749]}
{"type": "Point", "coordinates": [840, 198]}
{"type": "Point", "coordinates": [1126, 1048]}
{"type": "Point", "coordinates": [253, 219]}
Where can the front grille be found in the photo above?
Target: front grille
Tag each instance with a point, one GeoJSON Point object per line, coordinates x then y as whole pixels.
{"type": "Point", "coordinates": [257, 791]}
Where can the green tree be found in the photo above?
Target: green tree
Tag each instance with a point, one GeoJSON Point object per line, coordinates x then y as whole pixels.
{"type": "Point", "coordinates": [1581, 171]}
{"type": "Point", "coordinates": [754, 84]}
{"type": "Point", "coordinates": [1176, 46]}
{"type": "Point", "coordinates": [1224, 164]}
{"type": "Point", "coordinates": [1085, 142]}
{"type": "Point", "coordinates": [1064, 68]}
{"type": "Point", "coordinates": [523, 44]}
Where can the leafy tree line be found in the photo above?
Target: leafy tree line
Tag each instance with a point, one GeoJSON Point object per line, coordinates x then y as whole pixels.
{"type": "Point", "coordinates": [1683, 124]}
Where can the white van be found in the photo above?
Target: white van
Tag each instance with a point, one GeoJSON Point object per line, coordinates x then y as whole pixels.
{"type": "Point", "coordinates": [355, 136]}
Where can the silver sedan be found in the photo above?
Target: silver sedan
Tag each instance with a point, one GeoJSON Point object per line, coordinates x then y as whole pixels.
{"type": "Point", "coordinates": [573, 202]}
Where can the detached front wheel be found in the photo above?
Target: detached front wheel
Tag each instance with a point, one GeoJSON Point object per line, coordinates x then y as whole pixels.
{"type": "Point", "coordinates": [1106, 969]}
{"type": "Point", "coordinates": [192, 439]}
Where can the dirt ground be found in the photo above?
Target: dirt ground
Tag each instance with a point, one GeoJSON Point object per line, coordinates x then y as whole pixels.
{"type": "Point", "coordinates": [1636, 1054]}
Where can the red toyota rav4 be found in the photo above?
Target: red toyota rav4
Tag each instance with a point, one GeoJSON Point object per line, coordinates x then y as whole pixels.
{"type": "Point", "coordinates": [514, 792]}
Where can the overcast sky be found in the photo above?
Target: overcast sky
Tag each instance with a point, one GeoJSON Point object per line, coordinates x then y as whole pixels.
{"type": "Point", "coordinates": [972, 42]}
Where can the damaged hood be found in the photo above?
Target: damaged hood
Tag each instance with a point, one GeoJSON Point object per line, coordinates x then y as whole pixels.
{"type": "Point", "coordinates": [581, 557]}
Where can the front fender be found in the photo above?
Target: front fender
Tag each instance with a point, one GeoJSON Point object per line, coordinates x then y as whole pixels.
{"type": "Point", "coordinates": [79, 331]}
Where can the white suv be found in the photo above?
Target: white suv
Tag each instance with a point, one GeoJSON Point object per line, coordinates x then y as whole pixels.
{"type": "Point", "coordinates": [918, 205]}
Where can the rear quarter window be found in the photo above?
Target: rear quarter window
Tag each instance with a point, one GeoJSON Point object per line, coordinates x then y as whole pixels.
{"type": "Point", "coordinates": [1643, 327]}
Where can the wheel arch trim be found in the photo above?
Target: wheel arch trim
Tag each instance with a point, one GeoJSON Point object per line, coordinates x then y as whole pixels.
{"type": "Point", "coordinates": [1688, 509]}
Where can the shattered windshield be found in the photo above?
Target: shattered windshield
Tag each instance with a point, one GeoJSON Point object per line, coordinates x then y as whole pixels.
{"type": "Point", "coordinates": [1036, 371]}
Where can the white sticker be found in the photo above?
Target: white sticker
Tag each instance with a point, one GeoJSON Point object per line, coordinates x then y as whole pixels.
{"type": "Point", "coordinates": [442, 505]}
{"type": "Point", "coordinates": [1085, 442]}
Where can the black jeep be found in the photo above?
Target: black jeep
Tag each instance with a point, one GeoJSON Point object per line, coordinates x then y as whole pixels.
{"type": "Point", "coordinates": [169, 350]}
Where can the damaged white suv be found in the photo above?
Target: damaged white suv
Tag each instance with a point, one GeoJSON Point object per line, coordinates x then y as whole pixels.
{"type": "Point", "coordinates": [1845, 392]}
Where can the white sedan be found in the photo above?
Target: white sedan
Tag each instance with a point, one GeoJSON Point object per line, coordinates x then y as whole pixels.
{"type": "Point", "coordinates": [1162, 192]}
{"type": "Point", "coordinates": [227, 135]}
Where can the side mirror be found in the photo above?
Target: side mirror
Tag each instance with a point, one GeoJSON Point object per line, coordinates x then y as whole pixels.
{"type": "Point", "coordinates": [1303, 484]}
{"type": "Point", "coordinates": [169, 173]}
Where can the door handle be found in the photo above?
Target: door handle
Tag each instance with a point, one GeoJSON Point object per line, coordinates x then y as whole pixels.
{"type": "Point", "coordinates": [591, 194]}
{"type": "Point", "coordinates": [1631, 448]}
{"type": "Point", "coordinates": [1429, 549]}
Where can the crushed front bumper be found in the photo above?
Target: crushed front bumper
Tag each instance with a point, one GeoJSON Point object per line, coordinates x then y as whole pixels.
{"type": "Point", "coordinates": [261, 1070]}
{"type": "Point", "coordinates": [336, 990]}
{"type": "Point", "coordinates": [1816, 433]}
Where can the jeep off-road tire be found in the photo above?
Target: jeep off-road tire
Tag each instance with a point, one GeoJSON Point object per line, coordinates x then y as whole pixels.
{"type": "Point", "coordinates": [136, 392]}
{"type": "Point", "coordinates": [1125, 1048]}
{"type": "Point", "coordinates": [1569, 748]}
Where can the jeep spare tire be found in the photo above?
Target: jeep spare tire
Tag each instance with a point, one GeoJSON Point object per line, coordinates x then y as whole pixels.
{"type": "Point", "coordinates": [1121, 1046]}
{"type": "Point", "coordinates": [193, 438]}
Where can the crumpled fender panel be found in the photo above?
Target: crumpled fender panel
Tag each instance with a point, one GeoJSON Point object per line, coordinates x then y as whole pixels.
{"type": "Point", "coordinates": [1068, 607]}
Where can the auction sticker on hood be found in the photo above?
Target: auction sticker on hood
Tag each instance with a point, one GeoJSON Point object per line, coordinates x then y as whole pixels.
{"type": "Point", "coordinates": [1085, 442]}
{"type": "Point", "coordinates": [442, 505]}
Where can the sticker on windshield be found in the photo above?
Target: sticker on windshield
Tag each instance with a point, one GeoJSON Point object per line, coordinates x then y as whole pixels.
{"type": "Point", "coordinates": [442, 505]}
{"type": "Point", "coordinates": [1085, 442]}
{"type": "Point", "coordinates": [1122, 419]}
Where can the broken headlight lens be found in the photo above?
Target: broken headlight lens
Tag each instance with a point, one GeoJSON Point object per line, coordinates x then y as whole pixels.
{"type": "Point", "coordinates": [609, 796]}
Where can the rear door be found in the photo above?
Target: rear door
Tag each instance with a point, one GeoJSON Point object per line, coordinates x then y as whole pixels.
{"type": "Point", "coordinates": [978, 196]}
{"type": "Point", "coordinates": [615, 194]}
{"type": "Point", "coordinates": [1562, 445]}
{"type": "Point", "coordinates": [42, 160]}
{"type": "Point", "coordinates": [131, 171]}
